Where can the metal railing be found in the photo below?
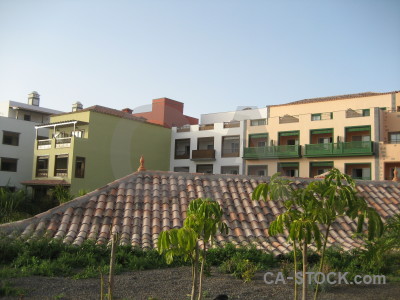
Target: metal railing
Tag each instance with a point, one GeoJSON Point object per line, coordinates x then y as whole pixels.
{"type": "Point", "coordinates": [283, 151]}
{"type": "Point", "coordinates": [339, 149]}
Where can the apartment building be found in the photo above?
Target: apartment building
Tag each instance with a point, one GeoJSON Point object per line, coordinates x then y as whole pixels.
{"type": "Point", "coordinates": [215, 146]}
{"type": "Point", "coordinates": [91, 147]}
{"type": "Point", "coordinates": [17, 136]}
{"type": "Point", "coordinates": [358, 134]}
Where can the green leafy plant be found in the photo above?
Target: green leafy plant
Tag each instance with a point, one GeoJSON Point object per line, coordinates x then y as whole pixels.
{"type": "Point", "coordinates": [204, 220]}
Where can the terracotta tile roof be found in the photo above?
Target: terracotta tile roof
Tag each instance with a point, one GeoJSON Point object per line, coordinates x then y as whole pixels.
{"type": "Point", "coordinates": [333, 98]}
{"type": "Point", "coordinates": [141, 205]}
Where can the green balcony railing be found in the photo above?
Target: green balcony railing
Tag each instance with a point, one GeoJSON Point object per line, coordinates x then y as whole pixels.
{"type": "Point", "coordinates": [339, 149]}
{"type": "Point", "coordinates": [284, 151]}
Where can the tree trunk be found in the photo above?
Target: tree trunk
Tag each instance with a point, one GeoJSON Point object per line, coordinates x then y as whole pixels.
{"type": "Point", "coordinates": [305, 283]}
{"type": "Point", "coordinates": [201, 273]}
{"type": "Point", "coordinates": [321, 263]}
{"type": "Point", "coordinates": [195, 273]}
{"type": "Point", "coordinates": [112, 262]}
{"type": "Point", "coordinates": [295, 269]}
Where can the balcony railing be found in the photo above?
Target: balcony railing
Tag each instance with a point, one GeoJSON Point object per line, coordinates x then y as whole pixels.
{"type": "Point", "coordinates": [44, 144]}
{"type": "Point", "coordinates": [339, 149]}
{"type": "Point", "coordinates": [206, 127]}
{"type": "Point", "coordinates": [283, 151]}
{"type": "Point", "coordinates": [61, 172]}
{"type": "Point", "coordinates": [63, 142]}
{"type": "Point", "coordinates": [42, 173]}
{"type": "Point", "coordinates": [232, 124]}
{"type": "Point", "coordinates": [208, 154]}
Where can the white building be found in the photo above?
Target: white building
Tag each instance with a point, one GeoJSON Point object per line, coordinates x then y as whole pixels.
{"type": "Point", "coordinates": [216, 145]}
{"type": "Point", "coordinates": [17, 136]}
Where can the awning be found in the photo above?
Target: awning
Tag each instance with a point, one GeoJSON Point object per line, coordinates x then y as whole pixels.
{"type": "Point", "coordinates": [289, 133]}
{"type": "Point", "coordinates": [61, 124]}
{"type": "Point", "coordinates": [358, 128]}
{"type": "Point", "coordinates": [258, 135]}
{"type": "Point", "coordinates": [39, 182]}
{"type": "Point", "coordinates": [321, 131]}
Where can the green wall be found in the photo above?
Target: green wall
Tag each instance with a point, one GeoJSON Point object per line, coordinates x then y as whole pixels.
{"type": "Point", "coordinates": [112, 148]}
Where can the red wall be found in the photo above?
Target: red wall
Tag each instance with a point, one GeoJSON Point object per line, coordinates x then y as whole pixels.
{"type": "Point", "coordinates": [167, 112]}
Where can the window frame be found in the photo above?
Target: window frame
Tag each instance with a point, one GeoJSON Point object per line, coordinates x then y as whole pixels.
{"type": "Point", "coordinates": [10, 159]}
{"type": "Point", "coordinates": [13, 134]}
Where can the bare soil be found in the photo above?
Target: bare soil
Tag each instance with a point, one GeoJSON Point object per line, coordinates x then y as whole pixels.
{"type": "Point", "coordinates": [175, 284]}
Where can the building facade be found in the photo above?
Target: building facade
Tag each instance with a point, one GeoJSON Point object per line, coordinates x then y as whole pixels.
{"type": "Point", "coordinates": [17, 136]}
{"type": "Point", "coordinates": [91, 147]}
{"type": "Point", "coordinates": [359, 134]}
{"type": "Point", "coordinates": [215, 146]}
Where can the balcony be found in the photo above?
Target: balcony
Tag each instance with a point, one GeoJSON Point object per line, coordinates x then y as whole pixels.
{"type": "Point", "coordinates": [206, 127]}
{"type": "Point", "coordinates": [232, 124]}
{"type": "Point", "coordinates": [283, 151]}
{"type": "Point", "coordinates": [339, 149]}
{"type": "Point", "coordinates": [63, 142]}
{"type": "Point", "coordinates": [208, 154]}
{"type": "Point", "coordinates": [184, 128]}
{"type": "Point", "coordinates": [44, 144]}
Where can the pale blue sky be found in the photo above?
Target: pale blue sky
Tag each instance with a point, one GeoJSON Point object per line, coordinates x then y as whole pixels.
{"type": "Point", "coordinates": [211, 55]}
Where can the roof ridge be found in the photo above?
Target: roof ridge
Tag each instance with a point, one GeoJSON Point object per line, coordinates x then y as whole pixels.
{"type": "Point", "coordinates": [335, 97]}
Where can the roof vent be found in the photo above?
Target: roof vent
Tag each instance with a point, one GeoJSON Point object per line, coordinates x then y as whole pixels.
{"type": "Point", "coordinates": [77, 106]}
{"type": "Point", "coordinates": [34, 98]}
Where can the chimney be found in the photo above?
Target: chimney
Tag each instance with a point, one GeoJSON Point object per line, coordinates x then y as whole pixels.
{"type": "Point", "coordinates": [34, 98]}
{"type": "Point", "coordinates": [77, 106]}
{"type": "Point", "coordinates": [128, 110]}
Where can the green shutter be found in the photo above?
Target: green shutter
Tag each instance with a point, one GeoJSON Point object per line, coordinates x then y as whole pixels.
{"type": "Point", "coordinates": [288, 164]}
{"type": "Point", "coordinates": [322, 164]}
{"type": "Point", "coordinates": [289, 133]}
{"type": "Point", "coordinates": [258, 135]}
{"type": "Point", "coordinates": [358, 128]}
{"type": "Point", "coordinates": [321, 131]}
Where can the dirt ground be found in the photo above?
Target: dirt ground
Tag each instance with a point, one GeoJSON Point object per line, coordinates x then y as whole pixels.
{"type": "Point", "coordinates": [175, 283]}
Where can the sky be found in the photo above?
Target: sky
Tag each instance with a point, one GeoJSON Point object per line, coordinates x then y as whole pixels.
{"type": "Point", "coordinates": [213, 55]}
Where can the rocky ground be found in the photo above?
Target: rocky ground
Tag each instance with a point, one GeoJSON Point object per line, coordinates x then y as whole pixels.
{"type": "Point", "coordinates": [175, 283]}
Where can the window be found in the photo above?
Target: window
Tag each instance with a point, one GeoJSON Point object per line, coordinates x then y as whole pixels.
{"type": "Point", "coordinates": [61, 165]}
{"type": "Point", "coordinates": [258, 170]}
{"type": "Point", "coordinates": [80, 167]}
{"type": "Point", "coordinates": [290, 169]}
{"type": "Point", "coordinates": [42, 166]}
{"type": "Point", "coordinates": [394, 137]}
{"type": "Point", "coordinates": [27, 117]}
{"type": "Point", "coordinates": [315, 117]}
{"type": "Point", "coordinates": [261, 144]}
{"type": "Point", "coordinates": [365, 112]}
{"type": "Point", "coordinates": [293, 142]}
{"type": "Point", "coordinates": [324, 140]}
{"type": "Point", "coordinates": [8, 164]}
{"type": "Point", "coordinates": [181, 169]}
{"type": "Point", "coordinates": [258, 122]}
{"type": "Point", "coordinates": [360, 138]}
{"type": "Point", "coordinates": [10, 138]}
{"type": "Point", "coordinates": [230, 146]}
{"type": "Point", "coordinates": [208, 169]}
{"type": "Point", "coordinates": [234, 170]}
{"type": "Point", "coordinates": [182, 149]}
{"type": "Point", "coordinates": [359, 171]}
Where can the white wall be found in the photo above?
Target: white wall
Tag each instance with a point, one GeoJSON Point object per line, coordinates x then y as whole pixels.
{"type": "Point", "coordinates": [217, 133]}
{"type": "Point", "coordinates": [23, 152]}
{"type": "Point", "coordinates": [240, 115]}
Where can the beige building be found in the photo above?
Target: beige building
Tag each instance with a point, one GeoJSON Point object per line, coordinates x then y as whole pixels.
{"type": "Point", "coordinates": [359, 134]}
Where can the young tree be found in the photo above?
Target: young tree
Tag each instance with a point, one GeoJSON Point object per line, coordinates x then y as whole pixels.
{"type": "Point", "coordinates": [338, 197]}
{"type": "Point", "coordinates": [204, 220]}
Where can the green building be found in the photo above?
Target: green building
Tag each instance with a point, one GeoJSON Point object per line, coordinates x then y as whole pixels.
{"type": "Point", "coordinates": [91, 147]}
